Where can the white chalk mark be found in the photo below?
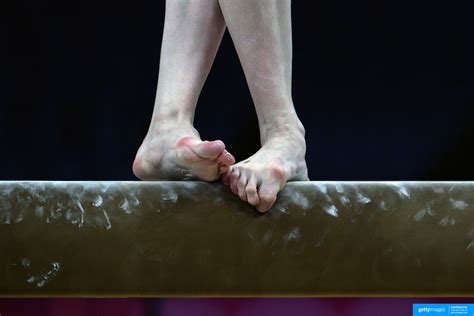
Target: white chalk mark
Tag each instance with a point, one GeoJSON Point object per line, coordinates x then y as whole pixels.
{"type": "Point", "coordinates": [362, 198]}
{"type": "Point", "coordinates": [108, 224]}
{"type": "Point", "coordinates": [458, 204]}
{"type": "Point", "coordinates": [322, 188]}
{"type": "Point", "coordinates": [169, 196]}
{"type": "Point", "coordinates": [294, 234]}
{"type": "Point", "coordinates": [419, 215]}
{"type": "Point", "coordinates": [331, 210]}
{"type": "Point", "coordinates": [471, 245]}
{"type": "Point", "coordinates": [125, 206]}
{"type": "Point", "coordinates": [97, 201]}
{"type": "Point", "coordinates": [39, 211]}
{"type": "Point", "coordinates": [25, 262]}
{"type": "Point", "coordinates": [82, 212]}
{"type": "Point", "coordinates": [444, 222]}
{"type": "Point", "coordinates": [402, 191]}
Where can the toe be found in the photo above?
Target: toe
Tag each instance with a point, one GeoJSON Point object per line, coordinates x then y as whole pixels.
{"type": "Point", "coordinates": [225, 158]}
{"type": "Point", "coordinates": [241, 184]}
{"type": "Point", "coordinates": [267, 192]}
{"type": "Point", "coordinates": [223, 170]}
{"type": "Point", "coordinates": [266, 202]}
{"type": "Point", "coordinates": [234, 176]}
{"type": "Point", "coordinates": [226, 177]}
{"type": "Point", "coordinates": [194, 149]}
{"type": "Point", "coordinates": [207, 149]}
{"type": "Point", "coordinates": [251, 191]}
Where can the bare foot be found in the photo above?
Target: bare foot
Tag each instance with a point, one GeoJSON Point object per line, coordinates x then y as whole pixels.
{"type": "Point", "coordinates": [176, 152]}
{"type": "Point", "coordinates": [259, 178]}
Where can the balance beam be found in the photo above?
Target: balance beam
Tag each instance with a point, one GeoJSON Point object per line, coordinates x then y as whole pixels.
{"type": "Point", "coordinates": [190, 238]}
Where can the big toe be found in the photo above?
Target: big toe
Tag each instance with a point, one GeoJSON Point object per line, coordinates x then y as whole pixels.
{"type": "Point", "coordinates": [267, 193]}
{"type": "Point", "coordinates": [210, 149]}
{"type": "Point", "coordinates": [192, 149]}
{"type": "Point", "coordinates": [267, 199]}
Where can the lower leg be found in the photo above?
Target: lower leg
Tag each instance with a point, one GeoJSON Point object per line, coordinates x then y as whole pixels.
{"type": "Point", "coordinates": [261, 31]}
{"type": "Point", "coordinates": [172, 148]}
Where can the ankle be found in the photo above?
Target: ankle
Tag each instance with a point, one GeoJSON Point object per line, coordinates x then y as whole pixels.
{"type": "Point", "coordinates": [171, 126]}
{"type": "Point", "coordinates": [172, 118]}
{"type": "Point", "coordinates": [291, 128]}
{"type": "Point", "coordinates": [174, 112]}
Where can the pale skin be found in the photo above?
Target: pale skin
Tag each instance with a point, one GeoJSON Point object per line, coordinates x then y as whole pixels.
{"type": "Point", "coordinates": [172, 148]}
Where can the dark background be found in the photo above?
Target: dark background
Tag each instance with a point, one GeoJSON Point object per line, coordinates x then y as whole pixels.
{"type": "Point", "coordinates": [384, 89]}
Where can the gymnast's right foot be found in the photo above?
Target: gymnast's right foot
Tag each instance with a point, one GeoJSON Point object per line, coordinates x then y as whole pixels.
{"type": "Point", "coordinates": [172, 151]}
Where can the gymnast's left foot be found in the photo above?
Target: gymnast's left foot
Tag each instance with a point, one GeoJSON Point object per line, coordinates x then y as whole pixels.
{"type": "Point", "coordinates": [259, 178]}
